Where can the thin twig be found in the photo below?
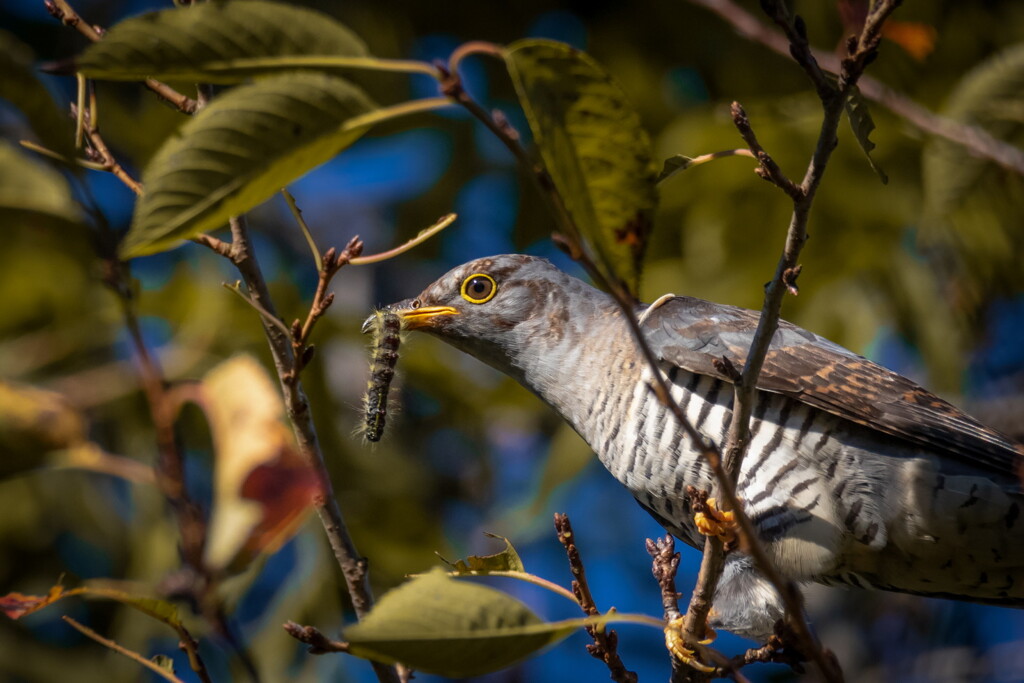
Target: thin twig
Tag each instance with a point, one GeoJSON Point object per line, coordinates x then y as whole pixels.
{"type": "Point", "coordinates": [353, 565]}
{"type": "Point", "coordinates": [976, 140]}
{"type": "Point", "coordinates": [63, 12]}
{"type": "Point", "coordinates": [297, 213]}
{"type": "Point", "coordinates": [319, 644]}
{"type": "Point", "coordinates": [135, 656]}
{"type": "Point", "coordinates": [606, 641]}
{"type": "Point", "coordinates": [860, 53]}
{"type": "Point", "coordinates": [99, 153]}
{"type": "Point", "coordinates": [425, 234]}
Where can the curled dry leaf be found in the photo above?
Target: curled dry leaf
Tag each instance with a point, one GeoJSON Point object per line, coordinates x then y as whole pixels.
{"type": "Point", "coordinates": [263, 487]}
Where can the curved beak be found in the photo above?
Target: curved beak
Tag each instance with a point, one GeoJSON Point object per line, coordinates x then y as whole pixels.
{"type": "Point", "coordinates": [413, 317]}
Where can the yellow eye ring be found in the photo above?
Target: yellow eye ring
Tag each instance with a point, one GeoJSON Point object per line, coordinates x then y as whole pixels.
{"type": "Point", "coordinates": [478, 288]}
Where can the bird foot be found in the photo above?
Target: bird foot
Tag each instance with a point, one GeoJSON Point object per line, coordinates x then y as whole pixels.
{"type": "Point", "coordinates": [711, 521]}
{"type": "Point", "coordinates": [676, 644]}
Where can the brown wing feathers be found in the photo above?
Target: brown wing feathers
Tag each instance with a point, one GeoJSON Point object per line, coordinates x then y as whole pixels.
{"type": "Point", "coordinates": [692, 333]}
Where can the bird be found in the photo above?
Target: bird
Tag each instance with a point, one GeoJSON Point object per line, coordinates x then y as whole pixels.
{"type": "Point", "coordinates": [854, 474]}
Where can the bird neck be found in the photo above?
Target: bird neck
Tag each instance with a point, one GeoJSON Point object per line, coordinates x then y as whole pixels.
{"type": "Point", "coordinates": [562, 357]}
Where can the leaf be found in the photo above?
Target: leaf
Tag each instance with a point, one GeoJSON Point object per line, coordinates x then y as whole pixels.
{"type": "Point", "coordinates": [34, 422]}
{"type": "Point", "coordinates": [507, 560]}
{"type": "Point", "coordinates": [862, 125]}
{"type": "Point", "coordinates": [31, 192]}
{"type": "Point", "coordinates": [674, 164]}
{"type": "Point", "coordinates": [594, 147]}
{"type": "Point", "coordinates": [263, 487]}
{"type": "Point", "coordinates": [240, 150]}
{"type": "Point", "coordinates": [21, 88]}
{"type": "Point", "coordinates": [17, 605]}
{"type": "Point", "coordinates": [949, 174]}
{"type": "Point", "coordinates": [216, 42]}
{"type": "Point", "coordinates": [452, 628]}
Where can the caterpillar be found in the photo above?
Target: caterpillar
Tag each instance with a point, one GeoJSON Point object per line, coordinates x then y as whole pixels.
{"type": "Point", "coordinates": [386, 327]}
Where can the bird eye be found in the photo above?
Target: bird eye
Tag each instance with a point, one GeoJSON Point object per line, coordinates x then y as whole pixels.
{"type": "Point", "coordinates": [479, 288]}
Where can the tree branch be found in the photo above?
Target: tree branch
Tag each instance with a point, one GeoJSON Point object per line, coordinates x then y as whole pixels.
{"type": "Point", "coordinates": [130, 654]}
{"type": "Point", "coordinates": [353, 566]}
{"type": "Point", "coordinates": [606, 641]}
{"type": "Point", "coordinates": [976, 140]}
{"type": "Point", "coordinates": [65, 13]}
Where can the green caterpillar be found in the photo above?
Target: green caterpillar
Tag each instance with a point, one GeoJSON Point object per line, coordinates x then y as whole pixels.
{"type": "Point", "coordinates": [386, 327]}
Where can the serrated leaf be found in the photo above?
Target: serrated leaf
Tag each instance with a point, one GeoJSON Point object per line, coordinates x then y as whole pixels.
{"type": "Point", "coordinates": [862, 125]}
{"type": "Point", "coordinates": [439, 625]}
{"type": "Point", "coordinates": [21, 88]}
{"type": "Point", "coordinates": [949, 173]}
{"type": "Point", "coordinates": [240, 150]}
{"type": "Point", "coordinates": [594, 147]}
{"type": "Point", "coordinates": [218, 42]}
{"type": "Point", "coordinates": [32, 192]}
{"type": "Point", "coordinates": [507, 560]}
{"type": "Point", "coordinates": [673, 165]}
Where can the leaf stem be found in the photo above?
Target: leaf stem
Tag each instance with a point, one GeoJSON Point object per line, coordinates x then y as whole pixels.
{"type": "Point", "coordinates": [120, 649]}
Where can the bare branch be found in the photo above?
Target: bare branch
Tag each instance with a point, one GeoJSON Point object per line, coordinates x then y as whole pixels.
{"type": "Point", "coordinates": [353, 565]}
{"type": "Point", "coordinates": [120, 649]}
{"type": "Point", "coordinates": [606, 641]}
{"type": "Point", "coordinates": [319, 644]}
{"type": "Point", "coordinates": [63, 12]}
{"type": "Point", "coordinates": [976, 140]}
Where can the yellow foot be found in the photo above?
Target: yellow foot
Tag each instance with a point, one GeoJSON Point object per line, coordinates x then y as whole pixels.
{"type": "Point", "coordinates": [676, 644]}
{"type": "Point", "coordinates": [715, 522]}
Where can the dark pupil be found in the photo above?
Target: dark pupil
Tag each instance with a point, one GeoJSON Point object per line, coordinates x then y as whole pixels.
{"type": "Point", "coordinates": [479, 287]}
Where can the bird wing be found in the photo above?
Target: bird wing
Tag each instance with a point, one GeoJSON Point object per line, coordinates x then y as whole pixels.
{"type": "Point", "coordinates": [696, 335]}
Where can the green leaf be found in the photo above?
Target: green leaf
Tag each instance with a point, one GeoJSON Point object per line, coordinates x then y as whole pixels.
{"type": "Point", "coordinates": [452, 628]}
{"type": "Point", "coordinates": [240, 150]}
{"type": "Point", "coordinates": [21, 88]}
{"type": "Point", "coordinates": [594, 147]}
{"type": "Point", "coordinates": [218, 42]}
{"type": "Point", "coordinates": [862, 125]}
{"type": "Point", "coordinates": [33, 192]}
{"type": "Point", "coordinates": [507, 560]}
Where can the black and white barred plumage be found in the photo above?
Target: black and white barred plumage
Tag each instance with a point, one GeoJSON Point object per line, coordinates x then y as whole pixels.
{"type": "Point", "coordinates": [854, 475]}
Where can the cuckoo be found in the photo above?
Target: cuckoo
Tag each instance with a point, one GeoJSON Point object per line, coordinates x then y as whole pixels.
{"type": "Point", "coordinates": [854, 475]}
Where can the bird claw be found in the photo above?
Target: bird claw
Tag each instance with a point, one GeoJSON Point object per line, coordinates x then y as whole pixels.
{"type": "Point", "coordinates": [676, 644]}
{"type": "Point", "coordinates": [714, 522]}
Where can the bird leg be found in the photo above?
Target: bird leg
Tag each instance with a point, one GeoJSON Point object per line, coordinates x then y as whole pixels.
{"type": "Point", "coordinates": [676, 644]}
{"type": "Point", "coordinates": [711, 521]}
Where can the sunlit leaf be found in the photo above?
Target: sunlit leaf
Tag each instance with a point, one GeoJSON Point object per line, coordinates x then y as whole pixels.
{"type": "Point", "coordinates": [452, 628]}
{"type": "Point", "coordinates": [216, 42]}
{"type": "Point", "coordinates": [21, 88]}
{"type": "Point", "coordinates": [507, 560]}
{"type": "Point", "coordinates": [594, 147]}
{"type": "Point", "coordinates": [31, 192]}
{"type": "Point", "coordinates": [263, 488]}
{"type": "Point", "coordinates": [240, 150]}
{"type": "Point", "coordinates": [862, 125]}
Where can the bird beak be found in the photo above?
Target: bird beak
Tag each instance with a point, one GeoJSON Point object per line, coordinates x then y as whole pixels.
{"type": "Point", "coordinates": [414, 317]}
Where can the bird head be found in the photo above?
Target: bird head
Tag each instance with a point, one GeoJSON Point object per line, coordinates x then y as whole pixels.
{"type": "Point", "coordinates": [492, 306]}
